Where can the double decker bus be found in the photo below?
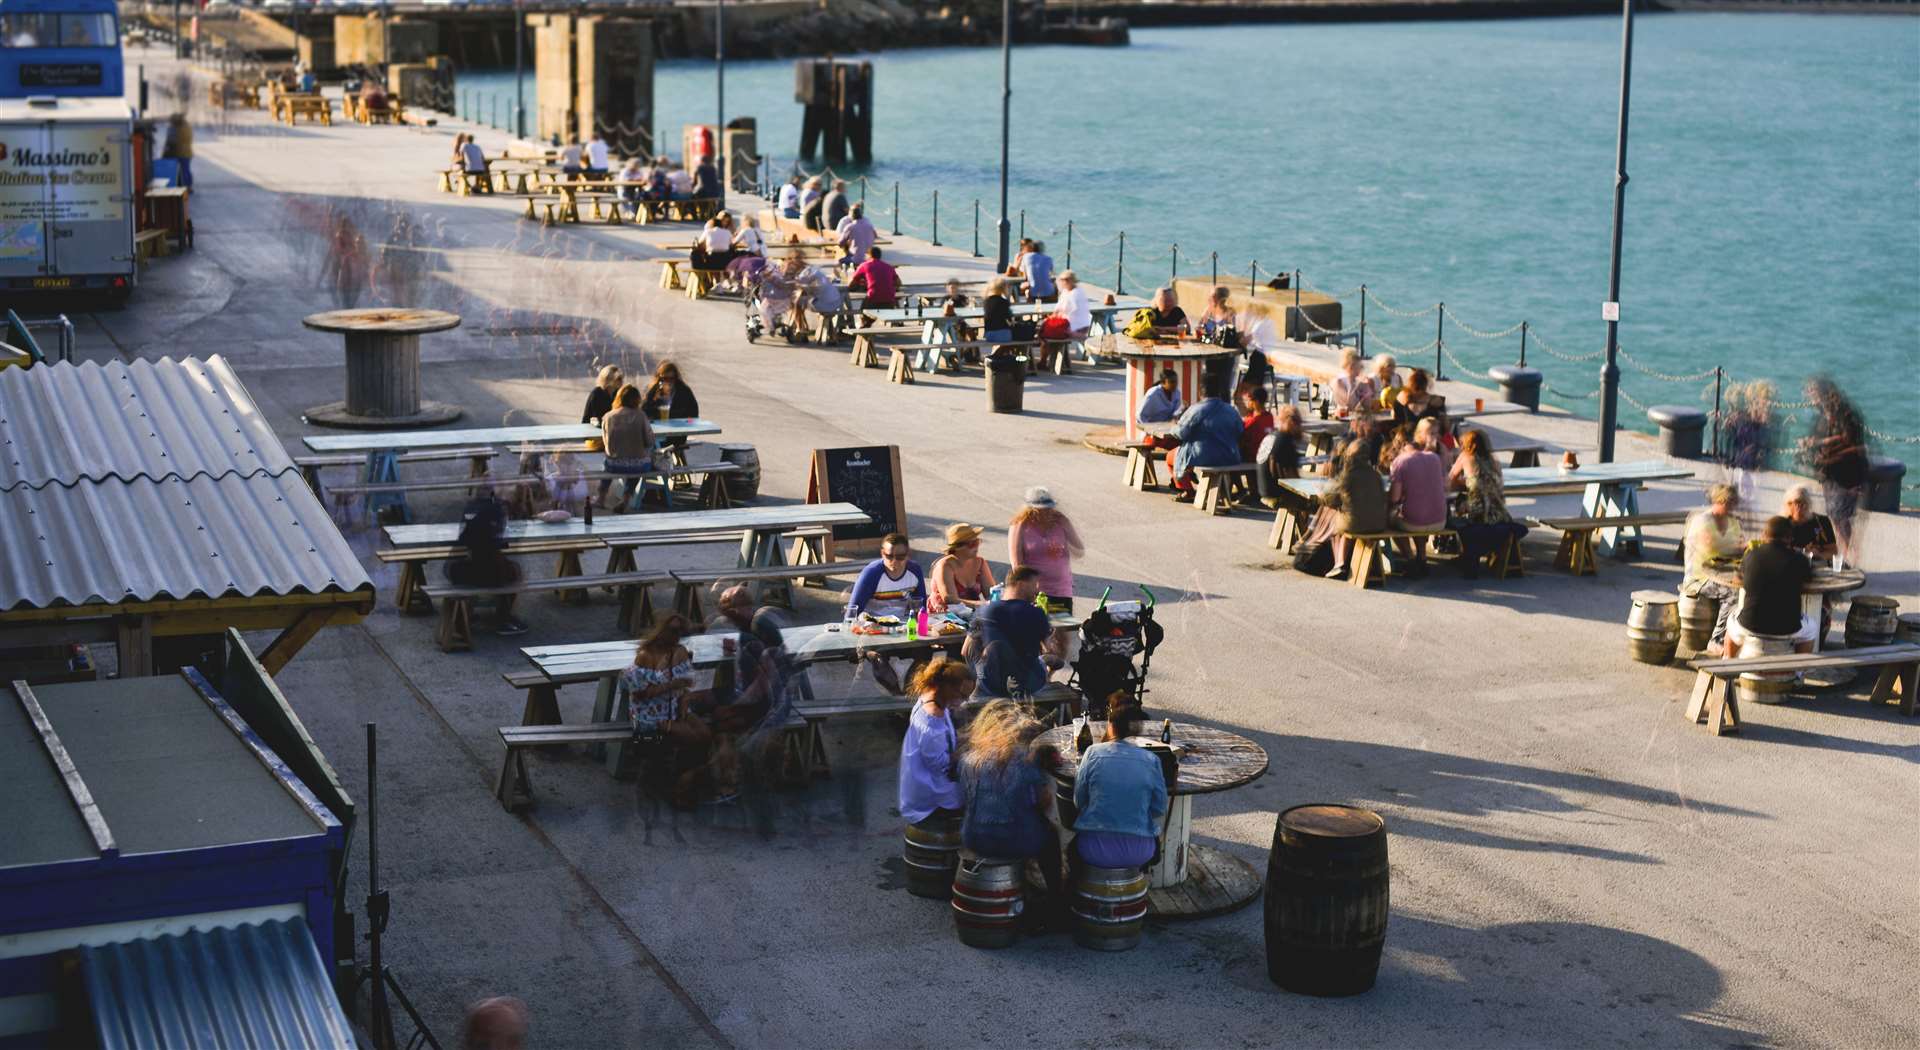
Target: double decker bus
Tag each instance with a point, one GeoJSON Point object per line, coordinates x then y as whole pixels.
{"type": "Point", "coordinates": [68, 48]}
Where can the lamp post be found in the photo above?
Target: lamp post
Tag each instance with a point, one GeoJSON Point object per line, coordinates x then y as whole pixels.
{"type": "Point", "coordinates": [1610, 372]}
{"type": "Point", "coordinates": [720, 92]}
{"type": "Point", "coordinates": [1006, 108]}
{"type": "Point", "coordinates": [519, 71]}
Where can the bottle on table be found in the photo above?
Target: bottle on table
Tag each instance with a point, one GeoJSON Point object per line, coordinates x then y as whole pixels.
{"type": "Point", "coordinates": [1083, 739]}
{"type": "Point", "coordinates": [1166, 730]}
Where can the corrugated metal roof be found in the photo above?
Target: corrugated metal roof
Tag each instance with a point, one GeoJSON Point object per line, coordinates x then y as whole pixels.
{"type": "Point", "coordinates": [111, 542]}
{"type": "Point", "coordinates": [65, 423]}
{"type": "Point", "coordinates": [255, 986]}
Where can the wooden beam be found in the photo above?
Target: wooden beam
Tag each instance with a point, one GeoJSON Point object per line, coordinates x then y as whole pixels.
{"type": "Point", "coordinates": [134, 640]}
{"type": "Point", "coordinates": [294, 638]}
{"type": "Point", "coordinates": [362, 599]}
{"type": "Point", "coordinates": [69, 773]}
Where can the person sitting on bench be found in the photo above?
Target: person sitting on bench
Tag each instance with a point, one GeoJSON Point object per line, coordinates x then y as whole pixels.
{"type": "Point", "coordinates": [1005, 638]}
{"type": "Point", "coordinates": [627, 438]}
{"type": "Point", "coordinates": [893, 586]}
{"type": "Point", "coordinates": [1209, 437]}
{"type": "Point", "coordinates": [1485, 522]}
{"type": "Point", "coordinates": [1772, 577]}
{"type": "Point", "coordinates": [473, 161]}
{"type": "Point", "coordinates": [657, 693]}
{"type": "Point", "coordinates": [879, 278]}
{"type": "Point", "coordinates": [1356, 502]}
{"type": "Point", "coordinates": [1417, 491]}
{"type": "Point", "coordinates": [483, 535]}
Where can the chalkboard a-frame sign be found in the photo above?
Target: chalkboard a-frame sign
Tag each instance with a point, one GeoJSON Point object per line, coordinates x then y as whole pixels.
{"type": "Point", "coordinates": [868, 478]}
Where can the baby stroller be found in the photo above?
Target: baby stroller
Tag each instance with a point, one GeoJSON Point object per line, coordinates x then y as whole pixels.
{"type": "Point", "coordinates": [1110, 638]}
{"type": "Point", "coordinates": [750, 278]}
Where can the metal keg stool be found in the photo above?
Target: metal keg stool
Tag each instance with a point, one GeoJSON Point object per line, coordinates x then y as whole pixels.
{"type": "Point", "coordinates": [1653, 627]}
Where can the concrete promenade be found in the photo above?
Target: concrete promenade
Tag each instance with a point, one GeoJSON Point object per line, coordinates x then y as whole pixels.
{"type": "Point", "coordinates": [1573, 864]}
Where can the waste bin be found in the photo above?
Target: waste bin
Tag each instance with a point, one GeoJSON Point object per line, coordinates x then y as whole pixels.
{"type": "Point", "coordinates": [1006, 382]}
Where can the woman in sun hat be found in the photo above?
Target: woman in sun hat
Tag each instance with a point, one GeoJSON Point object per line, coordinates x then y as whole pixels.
{"type": "Point", "coordinates": [961, 578]}
{"type": "Point", "coordinates": [1043, 537]}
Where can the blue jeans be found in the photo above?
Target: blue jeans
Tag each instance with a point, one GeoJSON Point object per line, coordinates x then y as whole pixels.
{"type": "Point", "coordinates": [998, 335]}
{"type": "Point", "coordinates": [999, 662]}
{"type": "Point", "coordinates": [1106, 849]}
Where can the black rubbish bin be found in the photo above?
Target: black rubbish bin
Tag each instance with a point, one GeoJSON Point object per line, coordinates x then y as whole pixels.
{"type": "Point", "coordinates": [1006, 382]}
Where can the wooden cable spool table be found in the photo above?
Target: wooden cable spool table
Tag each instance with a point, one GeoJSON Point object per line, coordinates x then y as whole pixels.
{"type": "Point", "coordinates": [1825, 583]}
{"type": "Point", "coordinates": [1190, 881]}
{"type": "Point", "coordinates": [383, 368]}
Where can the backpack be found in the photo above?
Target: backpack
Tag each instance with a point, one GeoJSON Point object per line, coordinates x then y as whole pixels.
{"type": "Point", "coordinates": [1142, 324]}
{"type": "Point", "coordinates": [1313, 558]}
{"type": "Point", "coordinates": [1055, 328]}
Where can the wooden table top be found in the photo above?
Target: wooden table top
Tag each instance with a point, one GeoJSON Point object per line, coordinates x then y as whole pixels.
{"type": "Point", "coordinates": [1824, 581]}
{"type": "Point", "coordinates": [550, 433]}
{"type": "Point", "coordinates": [1210, 759]}
{"type": "Point", "coordinates": [616, 526]}
{"type": "Point", "coordinates": [382, 319]}
{"type": "Point", "coordinates": [1148, 350]}
{"type": "Point", "coordinates": [1525, 479]}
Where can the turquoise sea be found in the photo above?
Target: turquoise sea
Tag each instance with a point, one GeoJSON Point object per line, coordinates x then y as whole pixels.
{"type": "Point", "coordinates": [1772, 221]}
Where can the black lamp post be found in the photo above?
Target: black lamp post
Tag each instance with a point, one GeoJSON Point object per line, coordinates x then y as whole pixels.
{"type": "Point", "coordinates": [519, 71]}
{"type": "Point", "coordinates": [1610, 372]}
{"type": "Point", "coordinates": [720, 92]}
{"type": "Point", "coordinates": [1003, 227]}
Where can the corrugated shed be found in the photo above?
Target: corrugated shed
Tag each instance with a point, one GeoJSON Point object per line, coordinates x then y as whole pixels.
{"type": "Point", "coordinates": [255, 986]}
{"type": "Point", "coordinates": [111, 542]}
{"type": "Point", "coordinates": [65, 423]}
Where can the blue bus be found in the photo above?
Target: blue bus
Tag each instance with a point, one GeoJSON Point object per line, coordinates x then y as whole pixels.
{"type": "Point", "coordinates": [60, 47]}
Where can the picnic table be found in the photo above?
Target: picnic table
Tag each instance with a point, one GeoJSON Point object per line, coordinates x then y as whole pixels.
{"type": "Point", "coordinates": [1609, 490]}
{"type": "Point", "coordinates": [1191, 881]}
{"type": "Point", "coordinates": [1824, 583]}
{"type": "Point", "coordinates": [383, 368]}
{"type": "Point", "coordinates": [760, 528]}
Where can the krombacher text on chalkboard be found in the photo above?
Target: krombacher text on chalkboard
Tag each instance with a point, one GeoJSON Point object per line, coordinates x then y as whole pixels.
{"type": "Point", "coordinates": [868, 478]}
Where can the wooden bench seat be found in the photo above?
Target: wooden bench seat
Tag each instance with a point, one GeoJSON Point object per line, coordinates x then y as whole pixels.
{"type": "Point", "coordinates": [1215, 488]}
{"type": "Point", "coordinates": [867, 339]}
{"type": "Point", "coordinates": [149, 244]}
{"type": "Point", "coordinates": [945, 355]}
{"type": "Point", "coordinates": [1141, 475]}
{"type": "Point", "coordinates": [1575, 553]}
{"type": "Point", "coordinates": [808, 545]}
{"type": "Point", "coordinates": [1524, 453]}
{"type": "Point", "coordinates": [689, 584]}
{"type": "Point", "coordinates": [514, 788]}
{"type": "Point", "coordinates": [1715, 701]}
{"type": "Point", "coordinates": [1366, 561]}
{"type": "Point", "coordinates": [480, 457]}
{"type": "Point", "coordinates": [455, 631]}
{"type": "Point", "coordinates": [408, 595]}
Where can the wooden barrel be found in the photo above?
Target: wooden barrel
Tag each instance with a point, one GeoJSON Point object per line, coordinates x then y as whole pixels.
{"type": "Point", "coordinates": [1696, 621]}
{"type": "Point", "coordinates": [1326, 906]}
{"type": "Point", "coordinates": [987, 900]}
{"type": "Point", "coordinates": [933, 849]}
{"type": "Point", "coordinates": [1909, 629]}
{"type": "Point", "coordinates": [743, 485]}
{"type": "Point", "coordinates": [1653, 627]}
{"type": "Point", "coordinates": [1109, 908]}
{"type": "Point", "coordinates": [1871, 620]}
{"type": "Point", "coordinates": [1765, 687]}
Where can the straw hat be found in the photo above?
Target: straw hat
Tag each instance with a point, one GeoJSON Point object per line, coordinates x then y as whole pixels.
{"type": "Point", "coordinates": [1039, 498]}
{"type": "Point", "coordinates": [960, 532]}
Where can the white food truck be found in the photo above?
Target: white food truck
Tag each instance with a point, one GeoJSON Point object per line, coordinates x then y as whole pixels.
{"type": "Point", "coordinates": [66, 196]}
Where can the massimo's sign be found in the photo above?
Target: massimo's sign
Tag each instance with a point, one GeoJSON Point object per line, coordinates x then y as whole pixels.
{"type": "Point", "coordinates": [61, 173]}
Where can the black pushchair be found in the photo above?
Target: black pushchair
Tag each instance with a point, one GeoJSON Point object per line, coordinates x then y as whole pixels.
{"type": "Point", "coordinates": [1110, 639]}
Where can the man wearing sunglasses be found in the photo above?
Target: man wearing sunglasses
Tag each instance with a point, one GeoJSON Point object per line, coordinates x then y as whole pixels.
{"type": "Point", "coordinates": [894, 585]}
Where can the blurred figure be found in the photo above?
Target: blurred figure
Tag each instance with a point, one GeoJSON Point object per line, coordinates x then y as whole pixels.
{"type": "Point", "coordinates": [1836, 449]}
{"type": "Point", "coordinates": [180, 148]}
{"type": "Point", "coordinates": [1749, 439]}
{"type": "Point", "coordinates": [345, 268]}
{"type": "Point", "coordinates": [498, 1023]}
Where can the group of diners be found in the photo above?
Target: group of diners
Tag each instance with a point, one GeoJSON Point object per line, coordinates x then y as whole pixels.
{"type": "Point", "coordinates": [625, 413]}
{"type": "Point", "coordinates": [1772, 571]}
{"type": "Point", "coordinates": [657, 180]}
{"type": "Point", "coordinates": [998, 782]}
{"type": "Point", "coordinates": [785, 293]}
{"type": "Point", "coordinates": [1011, 644]}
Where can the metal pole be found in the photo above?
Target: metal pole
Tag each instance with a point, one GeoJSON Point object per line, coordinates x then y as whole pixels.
{"type": "Point", "coordinates": [1363, 319]}
{"type": "Point", "coordinates": [1023, 225]}
{"type": "Point", "coordinates": [720, 91]}
{"type": "Point", "coordinates": [519, 71]}
{"type": "Point", "coordinates": [1173, 264]}
{"type": "Point", "coordinates": [1716, 411]}
{"type": "Point", "coordinates": [1439, 339]}
{"type": "Point", "coordinates": [976, 228]}
{"type": "Point", "coordinates": [896, 207]}
{"type": "Point", "coordinates": [1214, 258]}
{"type": "Point", "coordinates": [1253, 279]}
{"type": "Point", "coordinates": [1069, 244]}
{"type": "Point", "coordinates": [1120, 266]}
{"type": "Point", "coordinates": [1006, 116]}
{"type": "Point", "coordinates": [1523, 343]}
{"type": "Point", "coordinates": [382, 1017]}
{"type": "Point", "coordinates": [177, 43]}
{"type": "Point", "coordinates": [936, 218]}
{"type": "Point", "coordinates": [1610, 372]}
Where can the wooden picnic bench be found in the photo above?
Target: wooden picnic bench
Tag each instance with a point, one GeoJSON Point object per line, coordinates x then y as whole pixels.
{"type": "Point", "coordinates": [688, 584]}
{"type": "Point", "coordinates": [408, 593]}
{"type": "Point", "coordinates": [1216, 489]}
{"type": "Point", "coordinates": [149, 244]}
{"type": "Point", "coordinates": [514, 788]}
{"type": "Point", "coordinates": [455, 631]}
{"type": "Point", "coordinates": [699, 283]}
{"type": "Point", "coordinates": [313, 107]}
{"type": "Point", "coordinates": [1715, 701]}
{"type": "Point", "coordinates": [1576, 553]}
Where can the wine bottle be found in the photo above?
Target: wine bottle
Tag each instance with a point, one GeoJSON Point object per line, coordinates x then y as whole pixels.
{"type": "Point", "coordinates": [1166, 730]}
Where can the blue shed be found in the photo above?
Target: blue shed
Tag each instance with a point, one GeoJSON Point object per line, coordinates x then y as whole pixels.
{"type": "Point", "coordinates": [145, 813]}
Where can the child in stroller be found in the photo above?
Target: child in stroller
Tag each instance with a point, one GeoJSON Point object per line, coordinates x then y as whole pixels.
{"type": "Point", "coordinates": [1110, 638]}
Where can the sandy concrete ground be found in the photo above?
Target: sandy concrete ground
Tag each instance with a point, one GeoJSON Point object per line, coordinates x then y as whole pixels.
{"type": "Point", "coordinates": [1573, 864]}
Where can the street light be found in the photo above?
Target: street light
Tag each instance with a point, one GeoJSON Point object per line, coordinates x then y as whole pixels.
{"type": "Point", "coordinates": [1006, 106]}
{"type": "Point", "coordinates": [519, 72]}
{"type": "Point", "coordinates": [1610, 372]}
{"type": "Point", "coordinates": [720, 92]}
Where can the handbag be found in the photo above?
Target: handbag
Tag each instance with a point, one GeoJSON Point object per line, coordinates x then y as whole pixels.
{"type": "Point", "coordinates": [1025, 331]}
{"type": "Point", "coordinates": [1056, 329]}
{"type": "Point", "coordinates": [1141, 325]}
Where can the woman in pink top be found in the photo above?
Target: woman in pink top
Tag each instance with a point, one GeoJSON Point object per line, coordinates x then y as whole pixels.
{"type": "Point", "coordinates": [1044, 538]}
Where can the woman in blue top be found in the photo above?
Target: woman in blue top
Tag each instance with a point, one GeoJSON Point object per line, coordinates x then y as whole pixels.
{"type": "Point", "coordinates": [929, 778]}
{"type": "Point", "coordinates": [1010, 801]}
{"type": "Point", "coordinates": [1120, 794]}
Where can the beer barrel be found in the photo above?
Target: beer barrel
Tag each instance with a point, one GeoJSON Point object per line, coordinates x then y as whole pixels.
{"type": "Point", "coordinates": [1109, 908]}
{"type": "Point", "coordinates": [1653, 627]}
{"type": "Point", "coordinates": [1326, 901]}
{"type": "Point", "coordinates": [744, 484]}
{"type": "Point", "coordinates": [986, 900]}
{"type": "Point", "coordinates": [1765, 687]}
{"type": "Point", "coordinates": [1909, 629]}
{"type": "Point", "coordinates": [1871, 620]}
{"type": "Point", "coordinates": [1697, 615]}
{"type": "Point", "coordinates": [933, 848]}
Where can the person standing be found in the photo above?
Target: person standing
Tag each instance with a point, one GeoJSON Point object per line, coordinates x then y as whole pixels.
{"type": "Point", "coordinates": [180, 148]}
{"type": "Point", "coordinates": [929, 776]}
{"type": "Point", "coordinates": [1837, 448]}
{"type": "Point", "coordinates": [1043, 537]}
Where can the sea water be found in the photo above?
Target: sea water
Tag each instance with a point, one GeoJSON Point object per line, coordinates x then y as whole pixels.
{"type": "Point", "coordinates": [1772, 218]}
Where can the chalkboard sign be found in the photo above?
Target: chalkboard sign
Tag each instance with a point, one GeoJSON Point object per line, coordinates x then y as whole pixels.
{"type": "Point", "coordinates": [868, 478]}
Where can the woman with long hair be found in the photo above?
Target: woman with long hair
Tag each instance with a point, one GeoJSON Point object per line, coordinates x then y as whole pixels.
{"type": "Point", "coordinates": [1042, 536]}
{"type": "Point", "coordinates": [656, 691]}
{"type": "Point", "coordinates": [1356, 502]}
{"type": "Point", "coordinates": [929, 776]}
{"type": "Point", "coordinates": [600, 398]}
{"type": "Point", "coordinates": [1010, 811]}
{"type": "Point", "coordinates": [960, 580]}
{"type": "Point", "coordinates": [1484, 522]}
{"type": "Point", "coordinates": [626, 437]}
